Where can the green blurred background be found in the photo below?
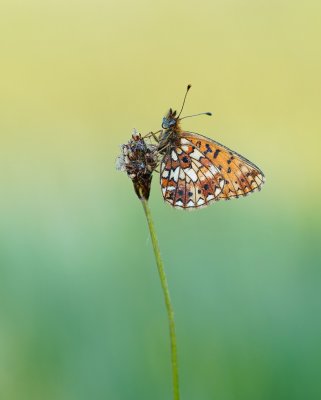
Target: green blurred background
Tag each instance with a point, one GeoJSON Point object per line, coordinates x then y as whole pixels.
{"type": "Point", "coordinates": [81, 309]}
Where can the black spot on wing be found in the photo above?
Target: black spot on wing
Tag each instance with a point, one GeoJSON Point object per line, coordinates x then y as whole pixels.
{"type": "Point", "coordinates": [216, 153]}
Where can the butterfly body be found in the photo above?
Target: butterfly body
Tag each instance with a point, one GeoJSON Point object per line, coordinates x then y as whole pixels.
{"type": "Point", "coordinates": [171, 131]}
{"type": "Point", "coordinates": [196, 171]}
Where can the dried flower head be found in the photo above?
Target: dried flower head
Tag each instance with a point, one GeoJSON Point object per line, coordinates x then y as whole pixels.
{"type": "Point", "coordinates": [139, 160]}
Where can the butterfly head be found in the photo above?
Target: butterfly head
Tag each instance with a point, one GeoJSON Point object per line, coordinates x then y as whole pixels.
{"type": "Point", "coordinates": [171, 124]}
{"type": "Point", "coordinates": [170, 120]}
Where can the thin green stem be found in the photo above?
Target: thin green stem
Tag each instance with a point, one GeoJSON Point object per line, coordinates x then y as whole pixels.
{"type": "Point", "coordinates": [169, 308]}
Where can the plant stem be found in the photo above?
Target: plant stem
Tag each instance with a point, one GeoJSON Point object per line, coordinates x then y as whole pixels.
{"type": "Point", "coordinates": [169, 308]}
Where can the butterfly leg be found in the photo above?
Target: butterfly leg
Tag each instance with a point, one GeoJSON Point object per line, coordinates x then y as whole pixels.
{"type": "Point", "coordinates": [161, 149]}
{"type": "Point", "coordinates": [154, 135]}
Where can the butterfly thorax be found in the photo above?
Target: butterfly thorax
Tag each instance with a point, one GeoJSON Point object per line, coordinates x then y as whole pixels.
{"type": "Point", "coordinates": [171, 130]}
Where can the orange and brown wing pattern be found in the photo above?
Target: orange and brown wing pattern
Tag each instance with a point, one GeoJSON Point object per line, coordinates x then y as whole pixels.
{"type": "Point", "coordinates": [240, 175]}
{"type": "Point", "coordinates": [188, 178]}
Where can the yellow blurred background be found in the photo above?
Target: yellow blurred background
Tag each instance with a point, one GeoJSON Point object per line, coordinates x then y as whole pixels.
{"type": "Point", "coordinates": [81, 309]}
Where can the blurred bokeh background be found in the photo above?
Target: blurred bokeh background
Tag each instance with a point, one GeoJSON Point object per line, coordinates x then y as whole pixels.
{"type": "Point", "coordinates": [81, 309]}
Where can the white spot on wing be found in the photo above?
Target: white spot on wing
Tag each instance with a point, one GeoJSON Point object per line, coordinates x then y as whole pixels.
{"type": "Point", "coordinates": [174, 155]}
{"type": "Point", "coordinates": [165, 173]}
{"type": "Point", "coordinates": [217, 191]}
{"type": "Point", "coordinates": [200, 202]}
{"type": "Point", "coordinates": [179, 203]}
{"type": "Point", "coordinates": [184, 141]}
{"type": "Point", "coordinates": [174, 174]}
{"type": "Point", "coordinates": [191, 173]}
{"type": "Point", "coordinates": [210, 197]}
{"type": "Point", "coordinates": [190, 204]}
{"type": "Point", "coordinates": [213, 170]}
{"type": "Point", "coordinates": [196, 154]}
{"type": "Point", "coordinates": [185, 148]}
{"type": "Point", "coordinates": [197, 163]}
{"type": "Point", "coordinates": [170, 188]}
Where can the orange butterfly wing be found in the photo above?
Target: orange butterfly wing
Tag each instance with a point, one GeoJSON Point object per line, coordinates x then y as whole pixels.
{"type": "Point", "coordinates": [241, 175]}
{"type": "Point", "coordinates": [199, 170]}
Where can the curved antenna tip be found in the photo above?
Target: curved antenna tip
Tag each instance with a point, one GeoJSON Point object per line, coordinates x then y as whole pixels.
{"type": "Point", "coordinates": [209, 113]}
{"type": "Point", "coordinates": [189, 86]}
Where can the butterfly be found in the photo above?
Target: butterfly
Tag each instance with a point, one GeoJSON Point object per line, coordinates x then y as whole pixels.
{"type": "Point", "coordinates": [196, 171]}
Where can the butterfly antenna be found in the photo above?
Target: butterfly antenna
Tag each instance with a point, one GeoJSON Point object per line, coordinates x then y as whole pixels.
{"type": "Point", "coordinates": [195, 115]}
{"type": "Point", "coordinates": [188, 88]}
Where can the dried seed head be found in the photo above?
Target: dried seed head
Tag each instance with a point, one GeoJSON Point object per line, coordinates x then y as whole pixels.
{"type": "Point", "coordinates": [139, 160]}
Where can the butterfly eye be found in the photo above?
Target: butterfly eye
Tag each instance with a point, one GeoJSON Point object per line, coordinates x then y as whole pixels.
{"type": "Point", "coordinates": [167, 123]}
